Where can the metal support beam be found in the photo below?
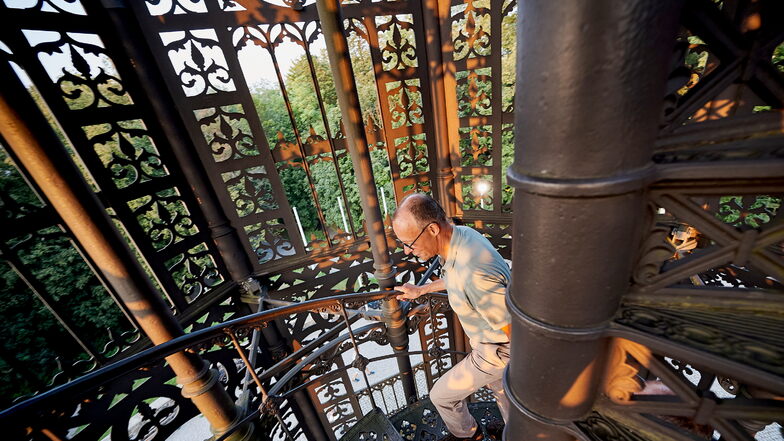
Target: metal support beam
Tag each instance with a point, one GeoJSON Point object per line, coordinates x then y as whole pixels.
{"type": "Point", "coordinates": [436, 18]}
{"type": "Point", "coordinates": [340, 62]}
{"type": "Point", "coordinates": [48, 164]}
{"type": "Point", "coordinates": [585, 129]}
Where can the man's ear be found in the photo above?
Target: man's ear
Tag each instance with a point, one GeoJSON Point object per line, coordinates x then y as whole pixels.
{"type": "Point", "coordinates": [434, 228]}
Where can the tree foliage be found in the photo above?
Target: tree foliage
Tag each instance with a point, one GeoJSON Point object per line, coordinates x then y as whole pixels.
{"type": "Point", "coordinates": [32, 337]}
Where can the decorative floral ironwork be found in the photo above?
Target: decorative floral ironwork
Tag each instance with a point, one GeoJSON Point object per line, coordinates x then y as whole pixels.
{"type": "Point", "coordinates": [60, 6]}
{"type": "Point", "coordinates": [411, 153]}
{"type": "Point", "coordinates": [471, 30]}
{"type": "Point", "coordinates": [176, 7]}
{"type": "Point", "coordinates": [198, 61]}
{"type": "Point", "coordinates": [474, 92]}
{"type": "Point", "coordinates": [269, 240]}
{"type": "Point", "coordinates": [164, 218]}
{"type": "Point", "coordinates": [476, 145]}
{"type": "Point", "coordinates": [195, 271]}
{"type": "Point", "coordinates": [396, 42]}
{"type": "Point", "coordinates": [127, 151]}
{"type": "Point", "coordinates": [405, 103]}
{"type": "Point", "coordinates": [477, 191]}
{"type": "Point", "coordinates": [250, 190]}
{"type": "Point", "coordinates": [717, 335]}
{"type": "Point", "coordinates": [89, 80]}
{"type": "Point", "coordinates": [227, 133]}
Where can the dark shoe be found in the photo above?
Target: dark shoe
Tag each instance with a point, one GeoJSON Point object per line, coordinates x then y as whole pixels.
{"type": "Point", "coordinates": [477, 436]}
{"type": "Point", "coordinates": [495, 429]}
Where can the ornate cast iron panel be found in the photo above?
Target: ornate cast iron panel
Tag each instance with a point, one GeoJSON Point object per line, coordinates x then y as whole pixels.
{"type": "Point", "coordinates": [204, 50]}
{"type": "Point", "coordinates": [482, 37]}
{"type": "Point", "coordinates": [75, 61]}
{"type": "Point", "coordinates": [704, 308]}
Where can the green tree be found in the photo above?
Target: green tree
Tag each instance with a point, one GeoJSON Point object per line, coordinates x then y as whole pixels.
{"type": "Point", "coordinates": [271, 109]}
{"type": "Point", "coordinates": [31, 335]}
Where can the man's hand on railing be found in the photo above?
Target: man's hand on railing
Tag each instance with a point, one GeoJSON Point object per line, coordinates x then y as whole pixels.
{"type": "Point", "coordinates": [411, 291]}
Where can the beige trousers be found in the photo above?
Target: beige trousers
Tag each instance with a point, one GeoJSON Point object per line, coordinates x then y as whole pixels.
{"type": "Point", "coordinates": [484, 366]}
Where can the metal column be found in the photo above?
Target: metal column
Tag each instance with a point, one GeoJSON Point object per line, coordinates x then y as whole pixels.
{"type": "Point", "coordinates": [591, 79]}
{"type": "Point", "coordinates": [40, 153]}
{"type": "Point", "coordinates": [436, 22]}
{"type": "Point", "coordinates": [340, 62]}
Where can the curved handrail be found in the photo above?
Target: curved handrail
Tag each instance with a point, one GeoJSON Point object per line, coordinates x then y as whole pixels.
{"type": "Point", "coordinates": [153, 355]}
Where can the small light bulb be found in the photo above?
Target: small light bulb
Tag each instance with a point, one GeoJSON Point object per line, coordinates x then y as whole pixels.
{"type": "Point", "coordinates": [482, 187]}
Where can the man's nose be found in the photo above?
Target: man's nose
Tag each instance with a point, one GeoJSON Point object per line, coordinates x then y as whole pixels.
{"type": "Point", "coordinates": [406, 250]}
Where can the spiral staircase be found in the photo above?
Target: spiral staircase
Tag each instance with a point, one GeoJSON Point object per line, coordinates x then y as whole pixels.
{"type": "Point", "coordinates": [641, 215]}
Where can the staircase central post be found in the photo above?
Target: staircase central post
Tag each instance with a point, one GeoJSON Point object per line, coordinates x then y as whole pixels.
{"type": "Point", "coordinates": [591, 81]}
{"type": "Point", "coordinates": [348, 100]}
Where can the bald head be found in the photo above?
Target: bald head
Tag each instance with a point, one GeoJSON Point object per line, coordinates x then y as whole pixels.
{"type": "Point", "coordinates": [421, 209]}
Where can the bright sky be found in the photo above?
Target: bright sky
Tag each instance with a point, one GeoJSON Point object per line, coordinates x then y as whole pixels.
{"type": "Point", "coordinates": [257, 64]}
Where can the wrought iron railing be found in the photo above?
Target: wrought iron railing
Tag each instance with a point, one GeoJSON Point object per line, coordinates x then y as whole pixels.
{"type": "Point", "coordinates": [65, 411]}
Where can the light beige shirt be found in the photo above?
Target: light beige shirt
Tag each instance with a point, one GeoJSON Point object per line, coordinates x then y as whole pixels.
{"type": "Point", "coordinates": [476, 279]}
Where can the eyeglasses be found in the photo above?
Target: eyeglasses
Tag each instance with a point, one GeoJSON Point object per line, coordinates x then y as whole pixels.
{"type": "Point", "coordinates": [411, 245]}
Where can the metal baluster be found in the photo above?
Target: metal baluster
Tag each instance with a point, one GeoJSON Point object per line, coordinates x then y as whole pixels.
{"type": "Point", "coordinates": [436, 341]}
{"type": "Point", "coordinates": [254, 344]}
{"type": "Point", "coordinates": [357, 355]}
{"type": "Point", "coordinates": [257, 380]}
{"type": "Point", "coordinates": [397, 400]}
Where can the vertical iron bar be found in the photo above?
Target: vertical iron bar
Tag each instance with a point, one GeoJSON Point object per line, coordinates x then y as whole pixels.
{"type": "Point", "coordinates": [441, 72]}
{"type": "Point", "coordinates": [340, 63]}
{"type": "Point", "coordinates": [496, 116]}
{"type": "Point", "coordinates": [249, 368]}
{"type": "Point", "coordinates": [62, 184]}
{"type": "Point", "coordinates": [561, 305]}
{"type": "Point", "coordinates": [329, 135]}
{"type": "Point", "coordinates": [357, 355]}
{"type": "Point", "coordinates": [397, 400]}
{"type": "Point", "coordinates": [254, 345]}
{"type": "Point", "coordinates": [247, 364]}
{"type": "Point", "coordinates": [300, 144]}
{"type": "Point", "coordinates": [384, 399]}
{"type": "Point", "coordinates": [436, 342]}
{"type": "Point", "coordinates": [49, 303]}
{"type": "Point", "coordinates": [284, 426]}
{"type": "Point", "coordinates": [303, 406]}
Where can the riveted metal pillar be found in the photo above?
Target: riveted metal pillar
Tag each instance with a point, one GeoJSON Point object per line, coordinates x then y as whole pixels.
{"type": "Point", "coordinates": [340, 62]}
{"type": "Point", "coordinates": [48, 164]}
{"type": "Point", "coordinates": [590, 84]}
